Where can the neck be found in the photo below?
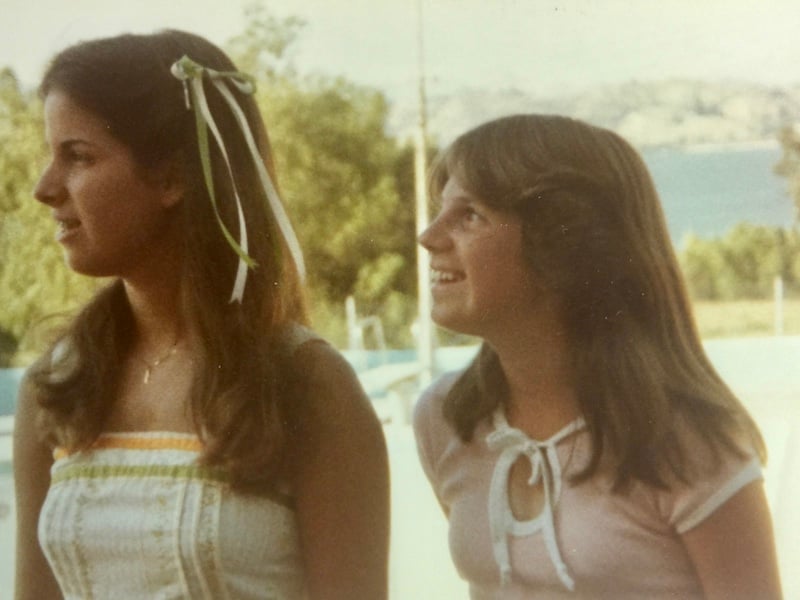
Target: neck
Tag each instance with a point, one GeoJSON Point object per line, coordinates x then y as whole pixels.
{"type": "Point", "coordinates": [153, 286]}
{"type": "Point", "coordinates": [157, 316]}
{"type": "Point", "coordinates": [538, 365]}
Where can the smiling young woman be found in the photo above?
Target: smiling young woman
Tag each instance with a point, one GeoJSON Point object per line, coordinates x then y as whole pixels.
{"type": "Point", "coordinates": [590, 450]}
{"type": "Point", "coordinates": [480, 282]}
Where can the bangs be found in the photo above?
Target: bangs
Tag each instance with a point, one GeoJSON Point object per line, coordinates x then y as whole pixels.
{"type": "Point", "coordinates": [454, 162]}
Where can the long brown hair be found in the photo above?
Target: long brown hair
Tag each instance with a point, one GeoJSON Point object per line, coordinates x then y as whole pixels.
{"type": "Point", "coordinates": [242, 399]}
{"type": "Point", "coordinates": [594, 233]}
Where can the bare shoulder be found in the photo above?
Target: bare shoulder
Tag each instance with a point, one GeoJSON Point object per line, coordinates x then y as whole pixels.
{"type": "Point", "coordinates": [32, 461]}
{"type": "Point", "coordinates": [340, 480]}
{"type": "Point", "coordinates": [32, 456]}
{"type": "Point", "coordinates": [331, 385]}
{"type": "Point", "coordinates": [28, 444]}
{"type": "Point", "coordinates": [337, 416]}
{"type": "Point", "coordinates": [319, 358]}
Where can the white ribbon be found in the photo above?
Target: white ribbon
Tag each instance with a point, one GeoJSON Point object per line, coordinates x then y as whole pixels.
{"type": "Point", "coordinates": [545, 468]}
{"type": "Point", "coordinates": [188, 71]}
{"type": "Point", "coordinates": [272, 194]}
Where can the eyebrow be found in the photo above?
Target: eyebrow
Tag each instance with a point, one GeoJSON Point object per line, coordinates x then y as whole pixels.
{"type": "Point", "coordinates": [465, 200]}
{"type": "Point", "coordinates": [66, 144]}
{"type": "Point", "coordinates": [70, 144]}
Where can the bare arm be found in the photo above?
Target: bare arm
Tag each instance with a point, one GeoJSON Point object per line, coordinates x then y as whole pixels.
{"type": "Point", "coordinates": [32, 461]}
{"type": "Point", "coordinates": [733, 550]}
{"type": "Point", "coordinates": [341, 482]}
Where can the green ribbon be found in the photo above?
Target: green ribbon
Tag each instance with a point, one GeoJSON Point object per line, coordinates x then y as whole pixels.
{"type": "Point", "coordinates": [191, 74]}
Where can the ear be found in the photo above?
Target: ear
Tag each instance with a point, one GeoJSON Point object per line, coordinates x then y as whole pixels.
{"type": "Point", "coordinates": [171, 184]}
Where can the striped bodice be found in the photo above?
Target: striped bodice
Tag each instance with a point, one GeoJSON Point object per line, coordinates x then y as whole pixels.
{"type": "Point", "coordinates": [137, 517]}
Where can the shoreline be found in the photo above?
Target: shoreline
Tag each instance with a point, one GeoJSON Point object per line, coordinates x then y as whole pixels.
{"type": "Point", "coordinates": [714, 147]}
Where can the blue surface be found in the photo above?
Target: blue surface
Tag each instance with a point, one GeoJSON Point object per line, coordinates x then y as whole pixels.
{"type": "Point", "coordinates": [446, 359]}
{"type": "Point", "coordinates": [707, 193]}
{"type": "Point", "coordinates": [9, 382]}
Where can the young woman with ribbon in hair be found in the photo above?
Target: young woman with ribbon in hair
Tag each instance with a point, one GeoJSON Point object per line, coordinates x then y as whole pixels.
{"type": "Point", "coordinates": [186, 436]}
{"type": "Point", "coordinates": [590, 450]}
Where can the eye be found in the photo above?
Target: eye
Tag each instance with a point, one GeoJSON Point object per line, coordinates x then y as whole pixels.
{"type": "Point", "coordinates": [471, 216]}
{"type": "Point", "coordinates": [78, 156]}
{"type": "Point", "coordinates": [77, 153]}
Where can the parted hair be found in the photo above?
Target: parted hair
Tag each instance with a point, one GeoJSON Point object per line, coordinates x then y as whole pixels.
{"type": "Point", "coordinates": [594, 233]}
{"type": "Point", "coordinates": [242, 398]}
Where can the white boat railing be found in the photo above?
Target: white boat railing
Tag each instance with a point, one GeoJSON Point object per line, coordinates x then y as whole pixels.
{"type": "Point", "coordinates": [6, 441]}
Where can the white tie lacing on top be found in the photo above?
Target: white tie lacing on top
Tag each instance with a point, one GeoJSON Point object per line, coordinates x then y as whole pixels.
{"type": "Point", "coordinates": [545, 467]}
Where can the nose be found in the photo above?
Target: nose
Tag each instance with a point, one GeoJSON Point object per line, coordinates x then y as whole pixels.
{"type": "Point", "coordinates": [428, 238]}
{"type": "Point", "coordinates": [436, 236]}
{"type": "Point", "coordinates": [49, 189]}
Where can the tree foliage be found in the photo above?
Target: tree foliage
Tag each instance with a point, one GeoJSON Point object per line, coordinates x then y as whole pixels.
{"type": "Point", "coordinates": [34, 283]}
{"type": "Point", "coordinates": [341, 177]}
{"type": "Point", "coordinates": [743, 263]}
{"type": "Point", "coordinates": [789, 164]}
{"type": "Point", "coordinates": [262, 48]}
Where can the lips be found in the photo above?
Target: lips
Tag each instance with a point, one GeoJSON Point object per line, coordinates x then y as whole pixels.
{"type": "Point", "coordinates": [442, 277]}
{"type": "Point", "coordinates": [66, 227]}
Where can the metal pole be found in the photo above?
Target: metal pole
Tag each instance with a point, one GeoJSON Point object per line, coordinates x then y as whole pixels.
{"type": "Point", "coordinates": [425, 326]}
{"type": "Point", "coordinates": [778, 298]}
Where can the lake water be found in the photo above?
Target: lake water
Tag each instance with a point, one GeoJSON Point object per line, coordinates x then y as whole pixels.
{"type": "Point", "coordinates": [708, 192]}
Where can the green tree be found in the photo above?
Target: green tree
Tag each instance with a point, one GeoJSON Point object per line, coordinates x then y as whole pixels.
{"type": "Point", "coordinates": [752, 259]}
{"type": "Point", "coordinates": [742, 264]}
{"type": "Point", "coordinates": [702, 261]}
{"type": "Point", "coordinates": [34, 281]}
{"type": "Point", "coordinates": [262, 48]}
{"type": "Point", "coordinates": [8, 347]}
{"type": "Point", "coordinates": [789, 164]}
{"type": "Point", "coordinates": [341, 178]}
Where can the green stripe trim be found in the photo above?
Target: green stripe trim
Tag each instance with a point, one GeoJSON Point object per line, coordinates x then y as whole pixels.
{"type": "Point", "coordinates": [138, 472]}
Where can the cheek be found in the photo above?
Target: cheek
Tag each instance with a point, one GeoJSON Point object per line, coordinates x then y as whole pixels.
{"type": "Point", "coordinates": [504, 272]}
{"type": "Point", "coordinates": [507, 280]}
{"type": "Point", "coordinates": [118, 195]}
{"type": "Point", "coordinates": [124, 217]}
{"type": "Point", "coordinates": [501, 254]}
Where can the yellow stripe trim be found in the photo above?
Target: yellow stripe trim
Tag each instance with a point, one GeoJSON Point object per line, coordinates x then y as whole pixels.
{"type": "Point", "coordinates": [116, 442]}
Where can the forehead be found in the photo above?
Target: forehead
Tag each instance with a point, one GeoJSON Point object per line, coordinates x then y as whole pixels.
{"type": "Point", "coordinates": [454, 191]}
{"type": "Point", "coordinates": [454, 194]}
{"type": "Point", "coordinates": [65, 119]}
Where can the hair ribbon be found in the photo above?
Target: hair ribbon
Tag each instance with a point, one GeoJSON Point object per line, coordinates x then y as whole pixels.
{"type": "Point", "coordinates": [190, 74]}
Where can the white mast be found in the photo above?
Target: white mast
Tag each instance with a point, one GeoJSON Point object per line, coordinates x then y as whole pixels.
{"type": "Point", "coordinates": [425, 338]}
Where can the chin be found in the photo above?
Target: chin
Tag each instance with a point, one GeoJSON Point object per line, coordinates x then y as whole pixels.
{"type": "Point", "coordinates": [87, 268]}
{"type": "Point", "coordinates": [454, 323]}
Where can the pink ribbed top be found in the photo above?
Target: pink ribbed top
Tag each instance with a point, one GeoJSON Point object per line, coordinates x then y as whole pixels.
{"type": "Point", "coordinates": [588, 543]}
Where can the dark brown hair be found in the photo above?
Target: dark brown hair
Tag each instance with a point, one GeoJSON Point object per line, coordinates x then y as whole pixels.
{"type": "Point", "coordinates": [241, 401]}
{"type": "Point", "coordinates": [595, 235]}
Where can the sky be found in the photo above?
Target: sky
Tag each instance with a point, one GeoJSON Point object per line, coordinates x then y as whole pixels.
{"type": "Point", "coordinates": [543, 47]}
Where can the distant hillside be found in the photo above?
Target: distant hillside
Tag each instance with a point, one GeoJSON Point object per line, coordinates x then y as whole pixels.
{"type": "Point", "coordinates": [676, 113]}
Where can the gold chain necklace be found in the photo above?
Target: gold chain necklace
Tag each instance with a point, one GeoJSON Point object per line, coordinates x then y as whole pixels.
{"type": "Point", "coordinates": [149, 366]}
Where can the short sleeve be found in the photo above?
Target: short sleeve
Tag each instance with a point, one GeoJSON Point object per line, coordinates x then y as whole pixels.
{"type": "Point", "coordinates": [712, 484]}
{"type": "Point", "coordinates": [694, 513]}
